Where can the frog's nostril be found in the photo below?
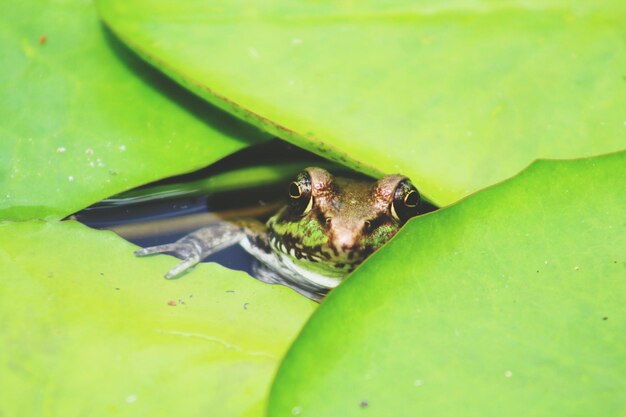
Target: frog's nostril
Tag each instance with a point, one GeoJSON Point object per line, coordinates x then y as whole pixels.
{"type": "Point", "coordinates": [345, 241]}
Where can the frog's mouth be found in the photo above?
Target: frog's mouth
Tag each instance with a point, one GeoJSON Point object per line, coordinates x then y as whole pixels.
{"type": "Point", "coordinates": [323, 258]}
{"type": "Point", "coordinates": [338, 260]}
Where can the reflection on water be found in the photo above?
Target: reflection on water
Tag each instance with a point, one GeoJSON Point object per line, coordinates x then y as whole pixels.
{"type": "Point", "coordinates": [165, 211]}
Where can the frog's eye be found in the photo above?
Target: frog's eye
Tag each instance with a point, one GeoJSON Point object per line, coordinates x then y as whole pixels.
{"type": "Point", "coordinates": [294, 190]}
{"type": "Point", "coordinates": [300, 193]}
{"type": "Point", "coordinates": [411, 199]}
{"type": "Point", "coordinates": [406, 201]}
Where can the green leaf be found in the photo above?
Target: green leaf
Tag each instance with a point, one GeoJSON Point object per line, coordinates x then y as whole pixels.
{"type": "Point", "coordinates": [508, 303]}
{"type": "Point", "coordinates": [87, 329]}
{"type": "Point", "coordinates": [456, 94]}
{"type": "Point", "coordinates": [83, 118]}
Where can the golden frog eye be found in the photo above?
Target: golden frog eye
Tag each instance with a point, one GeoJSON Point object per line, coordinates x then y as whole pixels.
{"type": "Point", "coordinates": [294, 190]}
{"type": "Point", "coordinates": [300, 194]}
{"type": "Point", "coordinates": [406, 201]}
{"type": "Point", "coordinates": [412, 199]}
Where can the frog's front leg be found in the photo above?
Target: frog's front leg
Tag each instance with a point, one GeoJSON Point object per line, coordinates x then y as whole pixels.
{"type": "Point", "coordinates": [206, 241]}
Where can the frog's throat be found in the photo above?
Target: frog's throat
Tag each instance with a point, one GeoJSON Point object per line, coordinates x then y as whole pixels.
{"type": "Point", "coordinates": [306, 273]}
{"type": "Point", "coordinates": [316, 276]}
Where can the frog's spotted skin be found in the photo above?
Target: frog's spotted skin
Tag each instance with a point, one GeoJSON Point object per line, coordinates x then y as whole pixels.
{"type": "Point", "coordinates": [329, 227]}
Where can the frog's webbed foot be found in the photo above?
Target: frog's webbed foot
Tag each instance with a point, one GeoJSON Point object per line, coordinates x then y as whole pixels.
{"type": "Point", "coordinates": [182, 250]}
{"type": "Point", "coordinates": [197, 245]}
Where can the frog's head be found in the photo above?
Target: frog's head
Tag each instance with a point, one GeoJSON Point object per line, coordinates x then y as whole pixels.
{"type": "Point", "coordinates": [340, 221]}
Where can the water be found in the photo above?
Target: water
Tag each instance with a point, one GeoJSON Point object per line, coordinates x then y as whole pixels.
{"type": "Point", "coordinates": [167, 210]}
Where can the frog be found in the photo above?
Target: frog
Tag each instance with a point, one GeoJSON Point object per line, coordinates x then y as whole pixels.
{"type": "Point", "coordinates": [329, 226]}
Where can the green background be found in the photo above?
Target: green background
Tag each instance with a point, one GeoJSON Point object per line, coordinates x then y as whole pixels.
{"type": "Point", "coordinates": [508, 302]}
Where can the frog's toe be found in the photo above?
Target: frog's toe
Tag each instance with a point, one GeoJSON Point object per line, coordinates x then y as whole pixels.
{"type": "Point", "coordinates": [155, 249]}
{"type": "Point", "coordinates": [179, 269]}
{"type": "Point", "coordinates": [141, 252]}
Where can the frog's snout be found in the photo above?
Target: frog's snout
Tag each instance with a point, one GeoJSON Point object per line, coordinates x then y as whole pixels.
{"type": "Point", "coordinates": [344, 242]}
{"type": "Point", "coordinates": [346, 237]}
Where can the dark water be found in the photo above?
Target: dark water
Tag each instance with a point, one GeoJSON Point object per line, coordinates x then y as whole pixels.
{"type": "Point", "coordinates": [147, 221]}
{"type": "Point", "coordinates": [164, 220]}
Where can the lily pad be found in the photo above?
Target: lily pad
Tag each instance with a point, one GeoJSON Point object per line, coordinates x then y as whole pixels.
{"type": "Point", "coordinates": [83, 335]}
{"type": "Point", "coordinates": [508, 303]}
{"type": "Point", "coordinates": [83, 118]}
{"type": "Point", "coordinates": [456, 94]}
